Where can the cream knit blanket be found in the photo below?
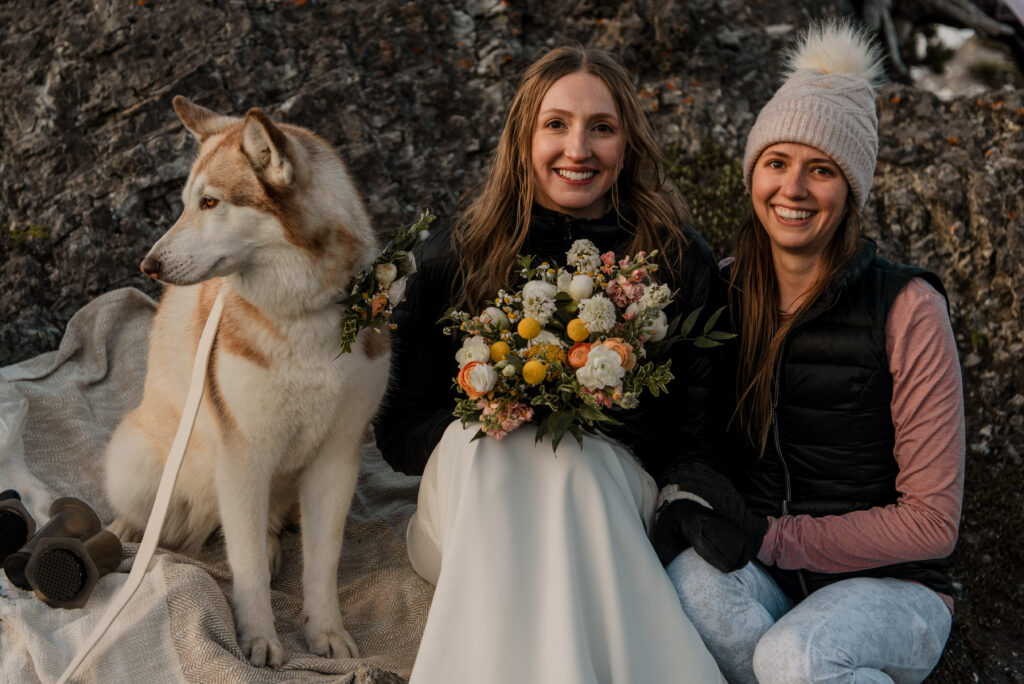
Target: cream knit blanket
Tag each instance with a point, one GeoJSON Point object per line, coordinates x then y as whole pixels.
{"type": "Point", "coordinates": [56, 413]}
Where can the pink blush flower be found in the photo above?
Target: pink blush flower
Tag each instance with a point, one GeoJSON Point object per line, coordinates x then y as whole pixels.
{"type": "Point", "coordinates": [623, 292]}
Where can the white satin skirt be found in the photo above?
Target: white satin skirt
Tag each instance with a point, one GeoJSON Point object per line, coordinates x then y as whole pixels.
{"type": "Point", "coordinates": [543, 569]}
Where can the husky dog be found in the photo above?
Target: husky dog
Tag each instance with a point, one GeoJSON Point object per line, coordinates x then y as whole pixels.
{"type": "Point", "coordinates": [271, 215]}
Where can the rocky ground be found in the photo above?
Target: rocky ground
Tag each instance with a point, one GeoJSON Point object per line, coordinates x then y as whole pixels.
{"type": "Point", "coordinates": [92, 160]}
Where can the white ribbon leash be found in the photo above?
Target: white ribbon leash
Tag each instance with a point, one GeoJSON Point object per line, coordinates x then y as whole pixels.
{"type": "Point", "coordinates": [163, 495]}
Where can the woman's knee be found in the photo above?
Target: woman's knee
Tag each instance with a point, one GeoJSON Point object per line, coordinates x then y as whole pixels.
{"type": "Point", "coordinates": [692, 576]}
{"type": "Point", "coordinates": [795, 653]}
{"type": "Point", "coordinates": [782, 655]}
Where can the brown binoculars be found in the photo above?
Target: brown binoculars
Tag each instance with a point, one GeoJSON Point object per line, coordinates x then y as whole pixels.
{"type": "Point", "coordinates": [63, 560]}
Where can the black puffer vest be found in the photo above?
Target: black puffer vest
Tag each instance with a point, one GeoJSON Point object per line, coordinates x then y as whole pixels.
{"type": "Point", "coordinates": [830, 450]}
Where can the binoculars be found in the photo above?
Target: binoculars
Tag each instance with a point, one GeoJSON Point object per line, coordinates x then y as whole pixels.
{"type": "Point", "coordinates": [63, 560]}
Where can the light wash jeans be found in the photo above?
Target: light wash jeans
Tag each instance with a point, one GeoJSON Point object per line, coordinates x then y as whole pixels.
{"type": "Point", "coordinates": [857, 630]}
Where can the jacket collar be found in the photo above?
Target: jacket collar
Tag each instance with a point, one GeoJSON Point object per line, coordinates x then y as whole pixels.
{"type": "Point", "coordinates": [848, 274]}
{"type": "Point", "coordinates": [552, 232]}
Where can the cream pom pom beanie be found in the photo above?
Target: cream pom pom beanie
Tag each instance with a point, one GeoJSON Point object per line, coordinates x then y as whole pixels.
{"type": "Point", "coordinates": [827, 102]}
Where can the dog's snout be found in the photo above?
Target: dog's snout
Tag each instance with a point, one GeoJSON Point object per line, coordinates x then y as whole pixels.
{"type": "Point", "coordinates": [150, 267]}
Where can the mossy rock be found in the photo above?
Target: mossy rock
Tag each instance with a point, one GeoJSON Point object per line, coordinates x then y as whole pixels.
{"type": "Point", "coordinates": [712, 185]}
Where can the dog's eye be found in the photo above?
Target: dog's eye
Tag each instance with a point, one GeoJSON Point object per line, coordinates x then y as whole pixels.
{"type": "Point", "coordinates": [208, 202]}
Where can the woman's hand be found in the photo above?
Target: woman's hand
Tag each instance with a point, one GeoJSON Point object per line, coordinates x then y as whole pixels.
{"type": "Point", "coordinates": [724, 533]}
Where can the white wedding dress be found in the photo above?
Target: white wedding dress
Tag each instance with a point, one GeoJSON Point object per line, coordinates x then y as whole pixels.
{"type": "Point", "coordinates": [542, 567]}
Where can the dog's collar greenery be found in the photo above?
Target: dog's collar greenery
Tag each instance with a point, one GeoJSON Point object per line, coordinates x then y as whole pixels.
{"type": "Point", "coordinates": [373, 293]}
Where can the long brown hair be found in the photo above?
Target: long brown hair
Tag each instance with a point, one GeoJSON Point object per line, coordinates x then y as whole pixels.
{"type": "Point", "coordinates": [493, 228]}
{"type": "Point", "coordinates": [754, 301]}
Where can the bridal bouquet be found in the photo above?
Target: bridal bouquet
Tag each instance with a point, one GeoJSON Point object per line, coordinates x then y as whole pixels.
{"type": "Point", "coordinates": [376, 291]}
{"type": "Point", "coordinates": [572, 345]}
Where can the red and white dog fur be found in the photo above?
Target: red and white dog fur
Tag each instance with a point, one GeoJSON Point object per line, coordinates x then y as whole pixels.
{"type": "Point", "coordinates": [272, 215]}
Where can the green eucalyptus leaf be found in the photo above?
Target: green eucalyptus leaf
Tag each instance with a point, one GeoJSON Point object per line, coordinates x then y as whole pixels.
{"type": "Point", "coordinates": [690, 321]}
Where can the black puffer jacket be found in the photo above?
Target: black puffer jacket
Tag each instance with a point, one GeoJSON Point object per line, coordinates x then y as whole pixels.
{"type": "Point", "coordinates": [830, 450]}
{"type": "Point", "coordinates": [661, 432]}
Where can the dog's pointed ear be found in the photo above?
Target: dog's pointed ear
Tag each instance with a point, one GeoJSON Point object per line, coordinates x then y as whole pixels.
{"type": "Point", "coordinates": [266, 147]}
{"type": "Point", "coordinates": [200, 121]}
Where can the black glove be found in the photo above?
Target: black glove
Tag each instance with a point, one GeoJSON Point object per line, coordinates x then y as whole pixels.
{"type": "Point", "coordinates": [684, 523]}
{"type": "Point", "coordinates": [728, 535]}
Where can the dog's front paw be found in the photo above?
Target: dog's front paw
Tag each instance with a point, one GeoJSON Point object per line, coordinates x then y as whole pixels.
{"type": "Point", "coordinates": [262, 650]}
{"type": "Point", "coordinates": [330, 641]}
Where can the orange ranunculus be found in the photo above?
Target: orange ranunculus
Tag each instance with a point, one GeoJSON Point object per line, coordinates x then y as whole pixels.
{"type": "Point", "coordinates": [578, 354]}
{"type": "Point", "coordinates": [464, 381]}
{"type": "Point", "coordinates": [623, 349]}
{"type": "Point", "coordinates": [379, 301]}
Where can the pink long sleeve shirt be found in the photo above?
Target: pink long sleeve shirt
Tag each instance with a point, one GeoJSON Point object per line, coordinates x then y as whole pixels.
{"type": "Point", "coordinates": [928, 414]}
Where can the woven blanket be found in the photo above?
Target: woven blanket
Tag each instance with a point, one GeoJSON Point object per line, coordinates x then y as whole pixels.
{"type": "Point", "coordinates": [57, 411]}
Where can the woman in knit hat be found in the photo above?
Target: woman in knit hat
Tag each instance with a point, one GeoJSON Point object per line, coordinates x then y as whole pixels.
{"type": "Point", "coordinates": [825, 558]}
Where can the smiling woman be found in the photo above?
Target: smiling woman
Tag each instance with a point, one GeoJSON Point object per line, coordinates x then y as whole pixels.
{"type": "Point", "coordinates": [542, 566]}
{"type": "Point", "coordinates": [577, 147]}
{"type": "Point", "coordinates": [799, 196]}
{"type": "Point", "coordinates": [827, 557]}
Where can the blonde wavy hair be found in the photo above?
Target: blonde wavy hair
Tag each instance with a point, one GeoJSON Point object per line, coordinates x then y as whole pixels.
{"type": "Point", "coordinates": [493, 228]}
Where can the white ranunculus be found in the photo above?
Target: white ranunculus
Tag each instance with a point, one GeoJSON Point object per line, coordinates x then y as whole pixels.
{"type": "Point", "coordinates": [547, 337]}
{"type": "Point", "coordinates": [602, 369]}
{"type": "Point", "coordinates": [658, 328]}
{"type": "Point", "coordinates": [564, 280]}
{"type": "Point", "coordinates": [496, 315]}
{"type": "Point", "coordinates": [582, 286]}
{"type": "Point", "coordinates": [396, 293]}
{"type": "Point", "coordinates": [474, 348]}
{"type": "Point", "coordinates": [385, 274]}
{"type": "Point", "coordinates": [539, 288]}
{"type": "Point", "coordinates": [483, 378]}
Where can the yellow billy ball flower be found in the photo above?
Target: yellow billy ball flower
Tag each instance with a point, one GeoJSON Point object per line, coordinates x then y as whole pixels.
{"type": "Point", "coordinates": [577, 330]}
{"type": "Point", "coordinates": [499, 350]}
{"type": "Point", "coordinates": [534, 371]}
{"type": "Point", "coordinates": [528, 328]}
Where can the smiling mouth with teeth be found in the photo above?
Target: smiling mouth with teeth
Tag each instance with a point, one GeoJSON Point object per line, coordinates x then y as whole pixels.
{"type": "Point", "coordinates": [792, 214]}
{"type": "Point", "coordinates": [576, 175]}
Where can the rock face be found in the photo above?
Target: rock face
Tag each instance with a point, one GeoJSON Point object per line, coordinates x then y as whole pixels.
{"type": "Point", "coordinates": [92, 161]}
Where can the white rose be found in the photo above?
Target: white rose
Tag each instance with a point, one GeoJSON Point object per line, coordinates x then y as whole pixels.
{"type": "Point", "coordinates": [582, 286]}
{"type": "Point", "coordinates": [385, 274]}
{"type": "Point", "coordinates": [658, 328]}
{"type": "Point", "coordinates": [496, 315]}
{"type": "Point", "coordinates": [539, 289]}
{"type": "Point", "coordinates": [396, 292]}
{"type": "Point", "coordinates": [473, 348]}
{"type": "Point", "coordinates": [483, 378]}
{"type": "Point", "coordinates": [602, 369]}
